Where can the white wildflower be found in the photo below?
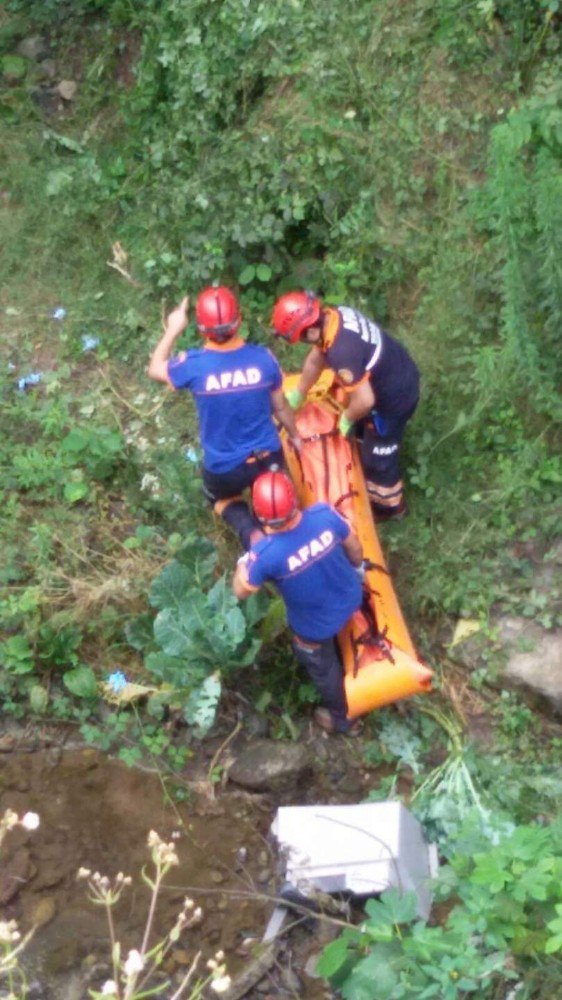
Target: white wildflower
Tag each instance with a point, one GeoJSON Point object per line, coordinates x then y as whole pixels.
{"type": "Point", "coordinates": [221, 984]}
{"type": "Point", "coordinates": [109, 988]}
{"type": "Point", "coordinates": [83, 873]}
{"type": "Point", "coordinates": [9, 931]}
{"type": "Point", "coordinates": [30, 821]}
{"type": "Point", "coordinates": [10, 819]}
{"type": "Point", "coordinates": [134, 963]}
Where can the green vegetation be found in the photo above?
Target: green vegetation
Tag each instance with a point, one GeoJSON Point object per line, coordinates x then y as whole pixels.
{"type": "Point", "coordinates": [404, 157]}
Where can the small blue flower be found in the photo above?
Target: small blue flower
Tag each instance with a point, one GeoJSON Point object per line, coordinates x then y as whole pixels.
{"type": "Point", "coordinates": [58, 313]}
{"type": "Point", "coordinates": [89, 343]}
{"type": "Point", "coordinates": [26, 380]}
{"type": "Point", "coordinates": [191, 455]}
{"type": "Point", "coordinates": [117, 681]}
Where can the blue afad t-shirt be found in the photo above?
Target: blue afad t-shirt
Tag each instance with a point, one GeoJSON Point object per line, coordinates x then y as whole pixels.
{"type": "Point", "coordinates": [308, 565]}
{"type": "Point", "coordinates": [232, 391]}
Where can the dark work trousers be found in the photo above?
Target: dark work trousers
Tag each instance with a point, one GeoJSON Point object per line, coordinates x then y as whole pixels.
{"type": "Point", "coordinates": [322, 664]}
{"type": "Point", "coordinates": [219, 486]}
{"type": "Point", "coordinates": [380, 447]}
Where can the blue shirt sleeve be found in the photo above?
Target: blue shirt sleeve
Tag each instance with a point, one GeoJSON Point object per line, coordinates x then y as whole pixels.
{"type": "Point", "coordinates": [257, 573]}
{"type": "Point", "coordinates": [179, 371]}
{"type": "Point", "coordinates": [276, 373]}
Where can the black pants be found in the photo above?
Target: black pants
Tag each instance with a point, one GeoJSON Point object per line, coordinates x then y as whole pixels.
{"type": "Point", "coordinates": [218, 486]}
{"type": "Point", "coordinates": [380, 447]}
{"type": "Point", "coordinates": [322, 663]}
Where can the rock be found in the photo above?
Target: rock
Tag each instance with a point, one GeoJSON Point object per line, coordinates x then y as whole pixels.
{"type": "Point", "coordinates": [32, 47]}
{"type": "Point", "coordinates": [14, 874]}
{"type": "Point", "coordinates": [67, 89]}
{"type": "Point", "coordinates": [292, 982]}
{"type": "Point", "coordinates": [47, 69]}
{"type": "Point", "coordinates": [310, 967]}
{"type": "Point", "coordinates": [35, 990]}
{"type": "Point", "coordinates": [269, 764]}
{"type": "Point", "coordinates": [182, 957]}
{"type": "Point", "coordinates": [50, 874]}
{"type": "Point", "coordinates": [256, 725]}
{"type": "Point", "coordinates": [534, 658]}
{"type": "Point", "coordinates": [7, 742]}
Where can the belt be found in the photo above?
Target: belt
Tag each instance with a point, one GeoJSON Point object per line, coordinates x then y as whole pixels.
{"type": "Point", "coordinates": [258, 456]}
{"type": "Point", "coordinates": [306, 644]}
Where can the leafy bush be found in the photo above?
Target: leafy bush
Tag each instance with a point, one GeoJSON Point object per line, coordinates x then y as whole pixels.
{"type": "Point", "coordinates": [506, 897]}
{"type": "Point", "coordinates": [201, 631]}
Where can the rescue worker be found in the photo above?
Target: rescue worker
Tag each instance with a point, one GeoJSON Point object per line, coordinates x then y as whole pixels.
{"type": "Point", "coordinates": [237, 391]}
{"type": "Point", "coordinates": [378, 374]}
{"type": "Point", "coordinates": [309, 555]}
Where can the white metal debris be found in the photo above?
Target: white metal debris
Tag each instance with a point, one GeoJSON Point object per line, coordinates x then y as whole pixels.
{"type": "Point", "coordinates": [362, 849]}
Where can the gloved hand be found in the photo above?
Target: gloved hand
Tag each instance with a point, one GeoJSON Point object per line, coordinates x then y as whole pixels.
{"type": "Point", "coordinates": [344, 425]}
{"type": "Point", "coordinates": [294, 398]}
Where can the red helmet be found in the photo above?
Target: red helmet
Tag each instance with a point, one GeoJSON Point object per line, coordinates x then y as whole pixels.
{"type": "Point", "coordinates": [217, 313]}
{"type": "Point", "coordinates": [273, 498]}
{"type": "Point", "coordinates": [293, 313]}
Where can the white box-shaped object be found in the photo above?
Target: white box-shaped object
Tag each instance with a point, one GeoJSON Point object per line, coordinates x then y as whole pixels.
{"type": "Point", "coordinates": [362, 849]}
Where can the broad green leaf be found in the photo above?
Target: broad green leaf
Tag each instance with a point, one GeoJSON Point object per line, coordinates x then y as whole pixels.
{"type": "Point", "coordinates": [75, 491]}
{"type": "Point", "coordinates": [274, 621]}
{"type": "Point", "coordinates": [263, 272]}
{"type": "Point", "coordinates": [393, 907]}
{"type": "Point", "coordinates": [332, 958]}
{"type": "Point", "coordinates": [372, 979]}
{"type": "Point", "coordinates": [201, 708]}
{"type": "Point", "coordinates": [247, 274]}
{"type": "Point", "coordinates": [169, 669]}
{"type": "Point", "coordinates": [38, 698]}
{"type": "Point", "coordinates": [139, 632]}
{"type": "Point", "coordinates": [171, 633]}
{"type": "Point", "coordinates": [13, 67]}
{"type": "Point", "coordinates": [170, 588]}
{"type": "Point", "coordinates": [81, 682]}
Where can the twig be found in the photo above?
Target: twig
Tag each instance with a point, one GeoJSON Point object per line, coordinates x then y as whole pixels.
{"type": "Point", "coordinates": [222, 747]}
{"type": "Point", "coordinates": [125, 274]}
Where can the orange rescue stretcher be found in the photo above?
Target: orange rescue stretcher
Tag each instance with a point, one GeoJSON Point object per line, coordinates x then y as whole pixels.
{"type": "Point", "coordinates": [380, 661]}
